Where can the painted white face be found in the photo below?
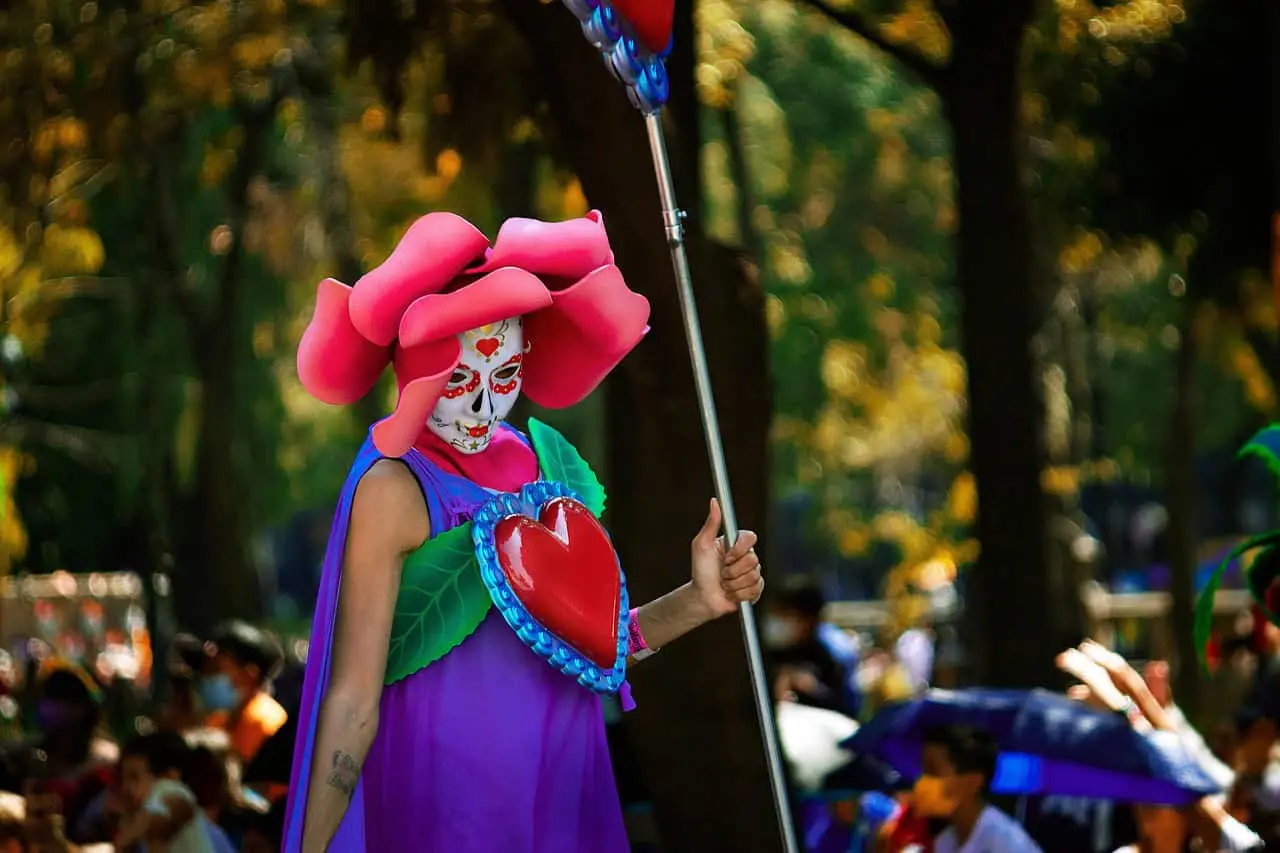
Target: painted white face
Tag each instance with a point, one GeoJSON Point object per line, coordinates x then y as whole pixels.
{"type": "Point", "coordinates": [483, 388]}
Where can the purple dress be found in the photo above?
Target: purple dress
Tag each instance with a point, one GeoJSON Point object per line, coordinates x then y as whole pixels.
{"type": "Point", "coordinates": [487, 750]}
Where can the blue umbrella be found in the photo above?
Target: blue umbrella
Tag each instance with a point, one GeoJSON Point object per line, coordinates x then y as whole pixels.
{"type": "Point", "coordinates": [1049, 745]}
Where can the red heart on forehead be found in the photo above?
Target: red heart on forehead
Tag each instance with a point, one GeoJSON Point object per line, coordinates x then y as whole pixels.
{"type": "Point", "coordinates": [565, 572]}
{"type": "Point", "coordinates": [488, 346]}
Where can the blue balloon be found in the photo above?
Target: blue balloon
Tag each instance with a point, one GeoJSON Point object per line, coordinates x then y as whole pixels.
{"type": "Point", "coordinates": [602, 28]}
{"type": "Point", "coordinates": [624, 61]}
{"type": "Point", "coordinates": [654, 87]}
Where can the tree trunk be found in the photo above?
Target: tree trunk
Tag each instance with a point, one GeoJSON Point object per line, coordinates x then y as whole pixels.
{"type": "Point", "coordinates": [1183, 527]}
{"type": "Point", "coordinates": [221, 579]}
{"type": "Point", "coordinates": [731, 125]}
{"type": "Point", "coordinates": [695, 732]}
{"type": "Point", "coordinates": [218, 578]}
{"type": "Point", "coordinates": [1010, 586]}
{"type": "Point", "coordinates": [316, 82]}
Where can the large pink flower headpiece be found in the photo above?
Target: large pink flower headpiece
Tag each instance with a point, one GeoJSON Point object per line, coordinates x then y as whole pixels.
{"type": "Point", "coordinates": [443, 279]}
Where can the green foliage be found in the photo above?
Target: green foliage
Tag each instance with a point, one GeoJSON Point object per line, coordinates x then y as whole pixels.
{"type": "Point", "coordinates": [851, 199]}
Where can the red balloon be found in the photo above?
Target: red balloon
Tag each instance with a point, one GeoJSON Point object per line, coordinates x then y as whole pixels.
{"type": "Point", "coordinates": [565, 572]}
{"type": "Point", "coordinates": [650, 19]}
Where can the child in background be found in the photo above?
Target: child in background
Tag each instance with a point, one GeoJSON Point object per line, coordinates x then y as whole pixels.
{"type": "Point", "coordinates": [958, 764]}
{"type": "Point", "coordinates": [162, 811]}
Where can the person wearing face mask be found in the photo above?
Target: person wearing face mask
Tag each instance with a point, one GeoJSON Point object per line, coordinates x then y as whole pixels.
{"type": "Point", "coordinates": [233, 691]}
{"type": "Point", "coordinates": [816, 663]}
{"type": "Point", "coordinates": [957, 764]}
{"type": "Point", "coordinates": [906, 831]}
{"type": "Point", "coordinates": [434, 717]}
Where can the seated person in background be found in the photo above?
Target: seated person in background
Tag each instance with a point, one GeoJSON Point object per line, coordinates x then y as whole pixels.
{"type": "Point", "coordinates": [268, 773]}
{"type": "Point", "coordinates": [188, 661]}
{"type": "Point", "coordinates": [1202, 826]}
{"type": "Point", "coordinates": [234, 691]}
{"type": "Point", "coordinates": [208, 775]}
{"type": "Point", "coordinates": [161, 811]}
{"type": "Point", "coordinates": [1254, 798]}
{"type": "Point", "coordinates": [957, 766]}
{"type": "Point", "coordinates": [266, 832]}
{"type": "Point", "coordinates": [67, 758]}
{"type": "Point", "coordinates": [213, 775]}
{"type": "Point", "coordinates": [817, 661]}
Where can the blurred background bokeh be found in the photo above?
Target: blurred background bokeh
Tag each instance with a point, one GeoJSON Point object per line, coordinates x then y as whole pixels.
{"type": "Point", "coordinates": [986, 287]}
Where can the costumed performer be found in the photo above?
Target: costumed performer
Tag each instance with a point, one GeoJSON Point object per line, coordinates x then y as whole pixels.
{"type": "Point", "coordinates": [471, 610]}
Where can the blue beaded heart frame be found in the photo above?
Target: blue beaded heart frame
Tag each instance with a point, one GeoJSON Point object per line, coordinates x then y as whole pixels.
{"type": "Point", "coordinates": [546, 645]}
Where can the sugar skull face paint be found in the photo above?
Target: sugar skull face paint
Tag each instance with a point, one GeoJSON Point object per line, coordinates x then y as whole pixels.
{"type": "Point", "coordinates": [483, 388]}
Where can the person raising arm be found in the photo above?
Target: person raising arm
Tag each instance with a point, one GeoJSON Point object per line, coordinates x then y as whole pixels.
{"type": "Point", "coordinates": [388, 521]}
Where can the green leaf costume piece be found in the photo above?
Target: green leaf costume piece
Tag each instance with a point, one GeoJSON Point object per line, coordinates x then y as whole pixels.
{"type": "Point", "coordinates": [441, 601]}
{"type": "Point", "coordinates": [561, 463]}
{"type": "Point", "coordinates": [442, 598]}
{"type": "Point", "coordinates": [1204, 602]}
{"type": "Point", "coordinates": [1265, 445]}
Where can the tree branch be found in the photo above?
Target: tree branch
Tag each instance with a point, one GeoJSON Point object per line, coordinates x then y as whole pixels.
{"type": "Point", "coordinates": [90, 448]}
{"type": "Point", "coordinates": [928, 72]}
{"type": "Point", "coordinates": [68, 397]}
{"type": "Point", "coordinates": [68, 287]}
{"type": "Point", "coordinates": [78, 187]}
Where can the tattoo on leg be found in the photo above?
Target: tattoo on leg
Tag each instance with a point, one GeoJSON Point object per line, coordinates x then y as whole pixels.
{"type": "Point", "coordinates": [344, 772]}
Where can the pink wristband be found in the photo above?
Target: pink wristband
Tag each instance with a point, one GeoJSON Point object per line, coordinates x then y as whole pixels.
{"type": "Point", "coordinates": [637, 648]}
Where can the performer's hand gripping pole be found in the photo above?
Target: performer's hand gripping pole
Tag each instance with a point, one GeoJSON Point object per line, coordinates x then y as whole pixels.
{"type": "Point", "coordinates": [644, 75]}
{"type": "Point", "coordinates": [673, 220]}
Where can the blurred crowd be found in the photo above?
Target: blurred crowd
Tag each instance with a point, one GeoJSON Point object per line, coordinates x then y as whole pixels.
{"type": "Point", "coordinates": [838, 680]}
{"type": "Point", "coordinates": [206, 773]}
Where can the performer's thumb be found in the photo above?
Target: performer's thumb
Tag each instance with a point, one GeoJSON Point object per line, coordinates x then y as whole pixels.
{"type": "Point", "coordinates": [706, 538]}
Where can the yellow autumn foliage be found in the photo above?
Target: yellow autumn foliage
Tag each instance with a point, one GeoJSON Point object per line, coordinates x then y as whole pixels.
{"type": "Point", "coordinates": [13, 537]}
{"type": "Point", "coordinates": [724, 47]}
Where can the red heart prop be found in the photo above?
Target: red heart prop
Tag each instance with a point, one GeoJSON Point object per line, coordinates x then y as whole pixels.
{"type": "Point", "coordinates": [650, 19]}
{"type": "Point", "coordinates": [487, 346]}
{"type": "Point", "coordinates": [565, 572]}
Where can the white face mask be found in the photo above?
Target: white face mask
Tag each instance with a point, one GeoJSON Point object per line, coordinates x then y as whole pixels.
{"type": "Point", "coordinates": [483, 388]}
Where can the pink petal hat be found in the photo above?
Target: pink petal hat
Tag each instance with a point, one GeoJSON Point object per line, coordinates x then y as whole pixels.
{"type": "Point", "coordinates": [580, 318]}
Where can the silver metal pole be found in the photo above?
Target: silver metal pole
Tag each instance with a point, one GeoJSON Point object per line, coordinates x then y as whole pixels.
{"type": "Point", "coordinates": [673, 220]}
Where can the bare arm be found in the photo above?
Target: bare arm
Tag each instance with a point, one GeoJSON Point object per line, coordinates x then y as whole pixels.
{"type": "Point", "coordinates": [163, 827]}
{"type": "Point", "coordinates": [388, 520]}
{"type": "Point", "coordinates": [720, 582]}
{"type": "Point", "coordinates": [670, 617]}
